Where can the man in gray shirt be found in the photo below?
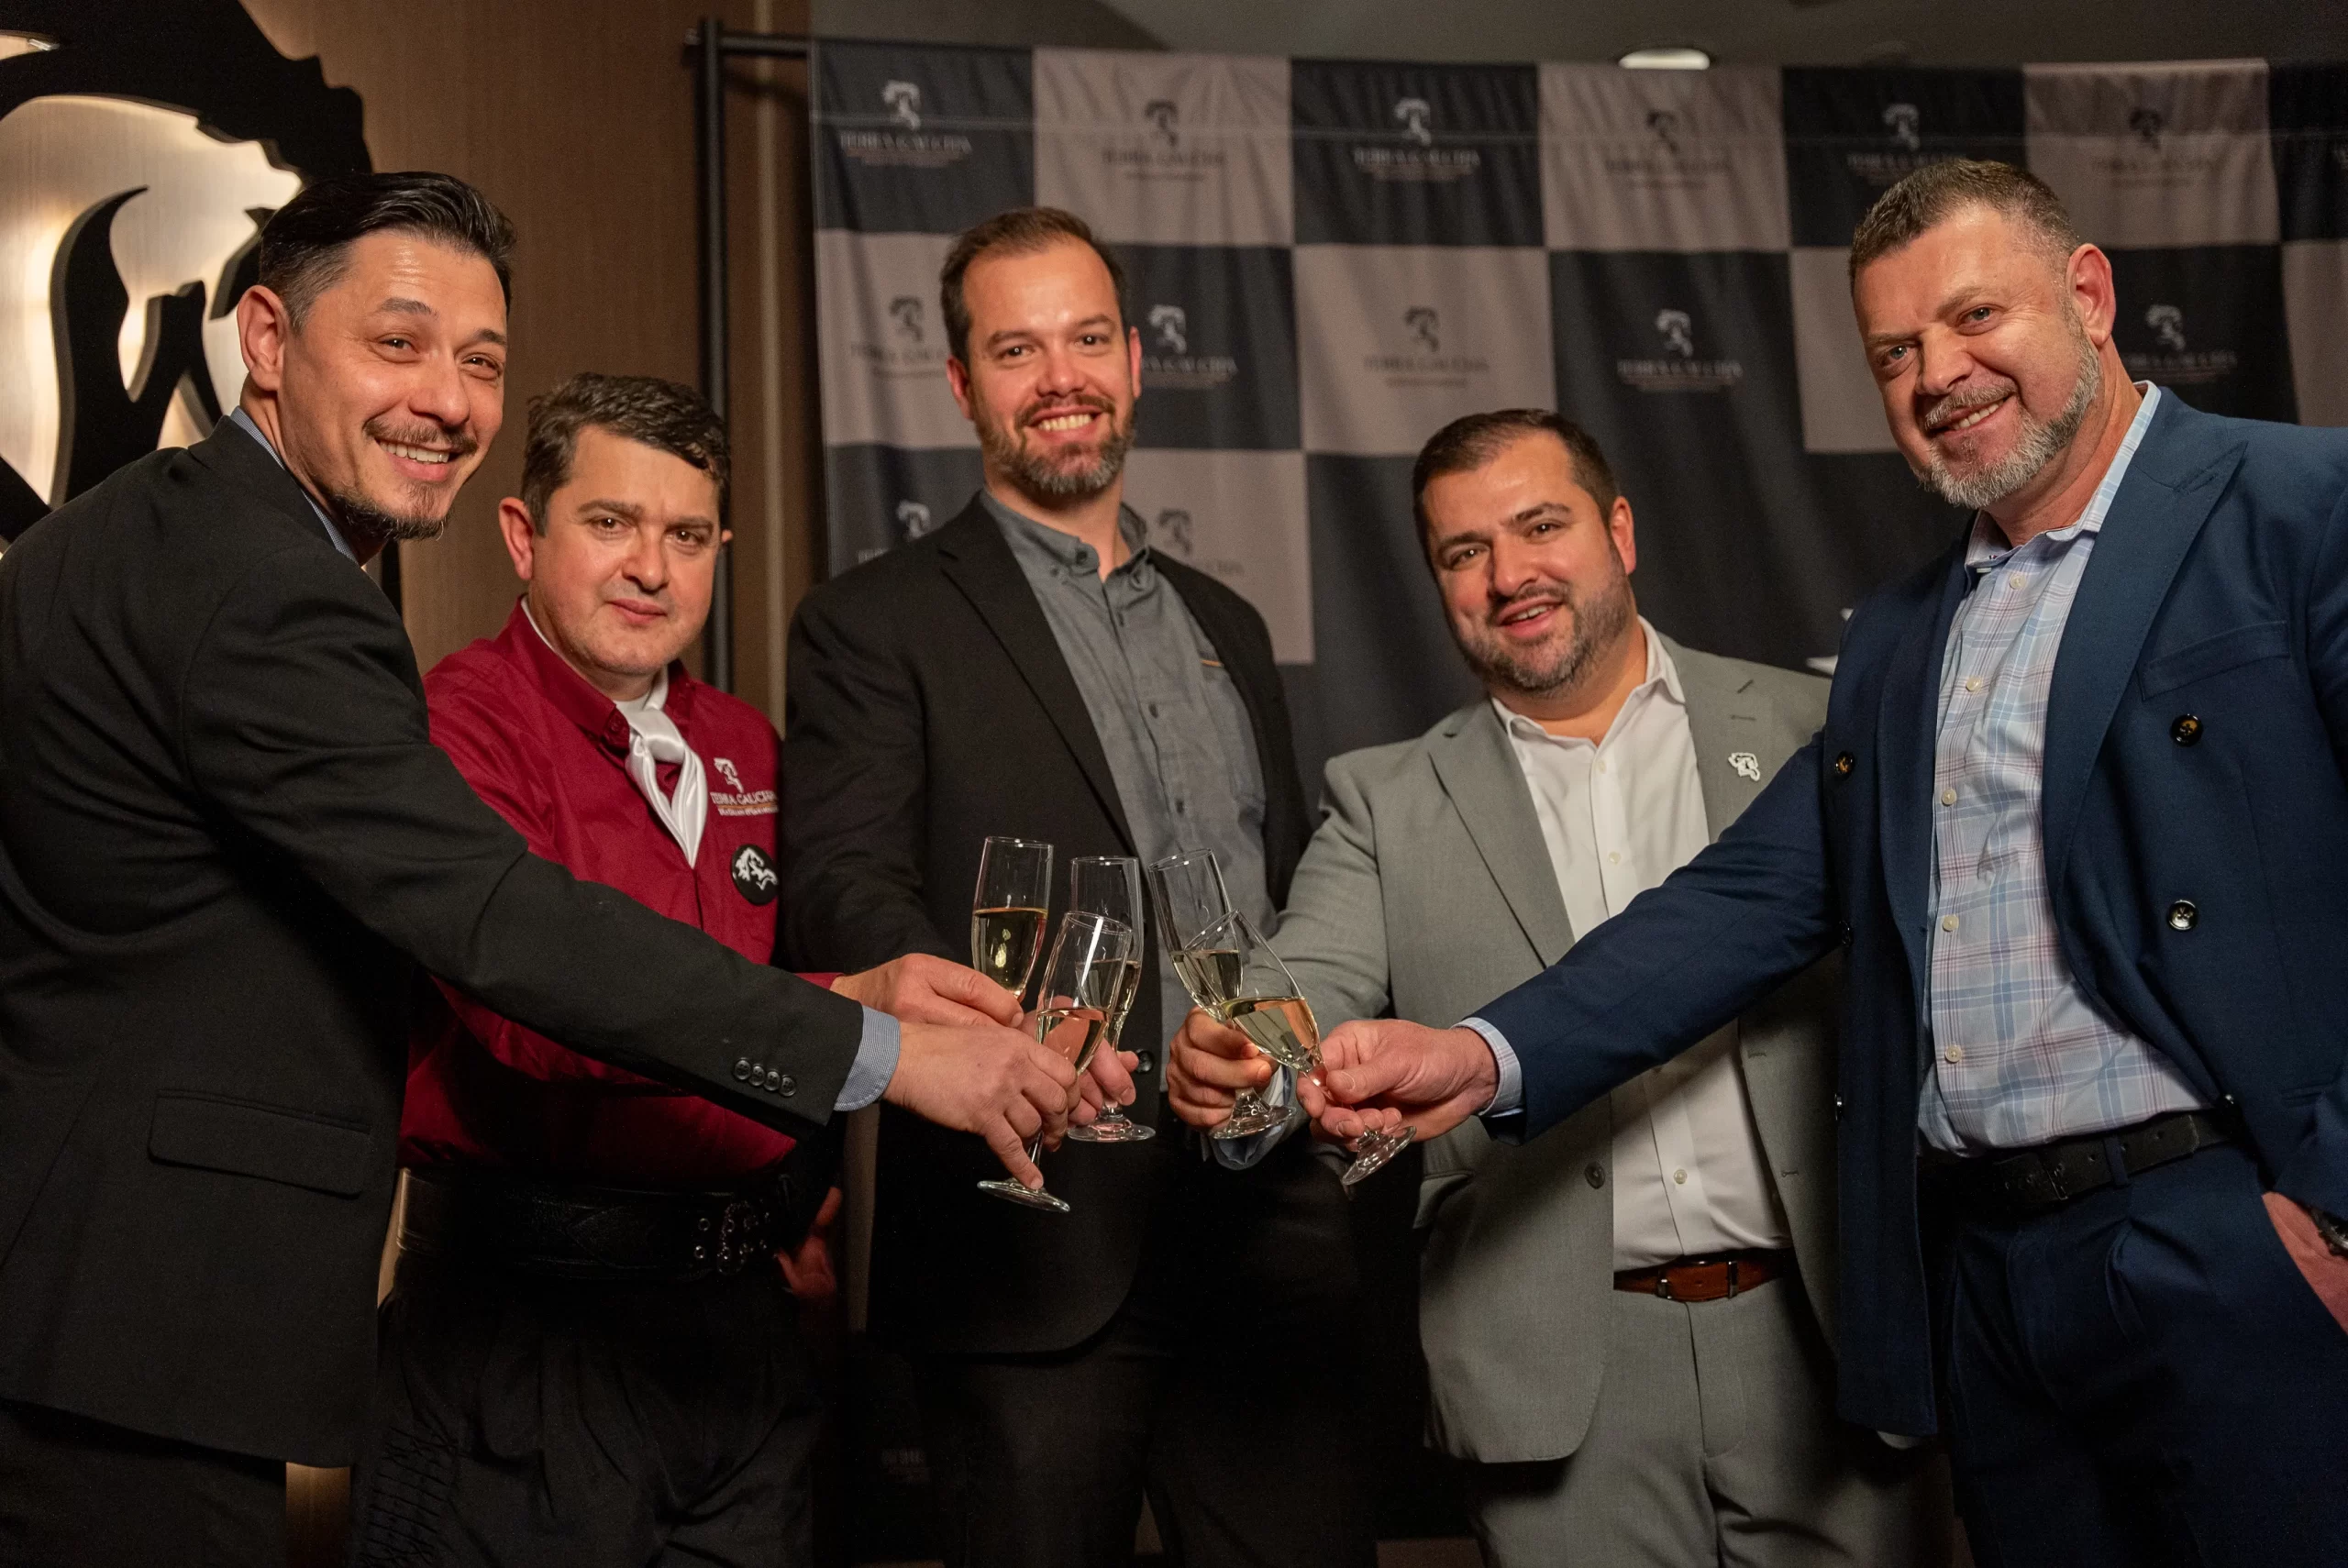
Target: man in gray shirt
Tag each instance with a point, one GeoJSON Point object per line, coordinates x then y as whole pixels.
{"type": "Point", "coordinates": [1033, 669]}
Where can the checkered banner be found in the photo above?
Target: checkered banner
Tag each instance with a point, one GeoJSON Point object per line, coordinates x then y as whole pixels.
{"type": "Point", "coordinates": [1329, 259]}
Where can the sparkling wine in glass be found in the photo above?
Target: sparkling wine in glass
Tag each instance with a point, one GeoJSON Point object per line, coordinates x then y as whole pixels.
{"type": "Point", "coordinates": [1082, 979]}
{"type": "Point", "coordinates": [1254, 993]}
{"type": "Point", "coordinates": [1007, 910]}
{"type": "Point", "coordinates": [1110, 884]}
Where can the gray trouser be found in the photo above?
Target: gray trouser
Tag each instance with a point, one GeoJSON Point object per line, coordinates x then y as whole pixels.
{"type": "Point", "coordinates": [1715, 1442]}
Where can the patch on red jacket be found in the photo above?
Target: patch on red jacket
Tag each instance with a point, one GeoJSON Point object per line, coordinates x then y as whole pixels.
{"type": "Point", "coordinates": [754, 874]}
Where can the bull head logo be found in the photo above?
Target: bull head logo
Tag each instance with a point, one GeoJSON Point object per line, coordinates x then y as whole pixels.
{"type": "Point", "coordinates": [1426, 326]}
{"type": "Point", "coordinates": [2167, 322]}
{"type": "Point", "coordinates": [1172, 326]}
{"type": "Point", "coordinates": [1415, 114]}
{"type": "Point", "coordinates": [1678, 334]}
{"type": "Point", "coordinates": [912, 517]}
{"type": "Point", "coordinates": [1902, 120]}
{"type": "Point", "coordinates": [903, 101]}
{"type": "Point", "coordinates": [1167, 116]}
{"type": "Point", "coordinates": [905, 311]}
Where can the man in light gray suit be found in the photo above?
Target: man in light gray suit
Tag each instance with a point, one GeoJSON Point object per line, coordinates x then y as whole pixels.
{"type": "Point", "coordinates": [1627, 1321]}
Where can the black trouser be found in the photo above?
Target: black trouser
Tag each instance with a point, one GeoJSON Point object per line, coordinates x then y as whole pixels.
{"type": "Point", "coordinates": [1222, 1387]}
{"type": "Point", "coordinates": [77, 1491]}
{"type": "Point", "coordinates": [2143, 1377]}
{"type": "Point", "coordinates": [521, 1419]}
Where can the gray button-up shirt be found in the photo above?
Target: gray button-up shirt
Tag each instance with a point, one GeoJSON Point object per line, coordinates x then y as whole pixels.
{"type": "Point", "coordinates": [1180, 747]}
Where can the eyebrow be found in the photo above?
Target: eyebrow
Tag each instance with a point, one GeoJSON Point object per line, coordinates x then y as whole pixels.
{"type": "Point", "coordinates": [627, 509]}
{"type": "Point", "coordinates": [400, 304]}
{"type": "Point", "coordinates": [995, 340]}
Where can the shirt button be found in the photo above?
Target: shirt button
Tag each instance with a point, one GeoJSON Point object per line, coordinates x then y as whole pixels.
{"type": "Point", "coordinates": [1601, 765]}
{"type": "Point", "coordinates": [1954, 1054]}
{"type": "Point", "coordinates": [1972, 683]}
{"type": "Point", "coordinates": [1147, 1061]}
{"type": "Point", "coordinates": [1153, 710]}
{"type": "Point", "coordinates": [1680, 1177]}
{"type": "Point", "coordinates": [1613, 858]}
{"type": "Point", "coordinates": [1948, 922]}
{"type": "Point", "coordinates": [2015, 579]}
{"type": "Point", "coordinates": [1948, 796]}
{"type": "Point", "coordinates": [1594, 1174]}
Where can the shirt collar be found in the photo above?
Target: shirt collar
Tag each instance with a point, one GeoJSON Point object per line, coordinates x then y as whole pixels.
{"type": "Point", "coordinates": [575, 697]}
{"type": "Point", "coordinates": [1661, 680]}
{"type": "Point", "coordinates": [244, 421]}
{"type": "Point", "coordinates": [1988, 546]}
{"type": "Point", "coordinates": [1041, 544]}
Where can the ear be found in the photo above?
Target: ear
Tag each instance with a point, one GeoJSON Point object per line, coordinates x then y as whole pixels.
{"type": "Point", "coordinates": [1620, 529]}
{"type": "Point", "coordinates": [958, 377]}
{"type": "Point", "coordinates": [263, 328]}
{"type": "Point", "coordinates": [521, 538]}
{"type": "Point", "coordinates": [2093, 293]}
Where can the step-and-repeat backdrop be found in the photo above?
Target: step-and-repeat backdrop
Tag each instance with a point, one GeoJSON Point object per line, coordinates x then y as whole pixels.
{"type": "Point", "coordinates": [1328, 259]}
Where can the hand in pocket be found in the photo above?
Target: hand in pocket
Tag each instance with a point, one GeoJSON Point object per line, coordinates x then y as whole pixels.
{"type": "Point", "coordinates": [2326, 1271]}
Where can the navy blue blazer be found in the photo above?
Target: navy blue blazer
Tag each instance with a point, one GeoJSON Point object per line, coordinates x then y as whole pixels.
{"type": "Point", "coordinates": [2219, 589]}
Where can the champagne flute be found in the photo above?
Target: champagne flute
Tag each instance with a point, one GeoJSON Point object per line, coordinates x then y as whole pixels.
{"type": "Point", "coordinates": [1110, 884]}
{"type": "Point", "coordinates": [1007, 910]}
{"type": "Point", "coordinates": [1082, 980]}
{"type": "Point", "coordinates": [1253, 992]}
{"type": "Point", "coordinates": [1194, 912]}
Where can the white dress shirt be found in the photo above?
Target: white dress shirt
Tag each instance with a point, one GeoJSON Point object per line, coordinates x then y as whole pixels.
{"type": "Point", "coordinates": [1618, 817]}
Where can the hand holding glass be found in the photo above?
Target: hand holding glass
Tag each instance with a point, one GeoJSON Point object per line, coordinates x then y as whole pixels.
{"type": "Point", "coordinates": [1082, 980]}
{"type": "Point", "coordinates": [1192, 905]}
{"type": "Point", "coordinates": [1110, 884]}
{"type": "Point", "coordinates": [1007, 910]}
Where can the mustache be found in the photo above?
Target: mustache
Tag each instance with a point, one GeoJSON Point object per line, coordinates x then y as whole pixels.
{"type": "Point", "coordinates": [1546, 594]}
{"type": "Point", "coordinates": [461, 441]}
{"type": "Point", "coordinates": [1950, 407]}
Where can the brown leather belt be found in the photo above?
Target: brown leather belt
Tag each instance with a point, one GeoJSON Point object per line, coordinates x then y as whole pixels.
{"type": "Point", "coordinates": [1706, 1280]}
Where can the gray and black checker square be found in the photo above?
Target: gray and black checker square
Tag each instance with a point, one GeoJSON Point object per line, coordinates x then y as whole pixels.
{"type": "Point", "coordinates": [1218, 345]}
{"type": "Point", "coordinates": [2308, 119]}
{"type": "Point", "coordinates": [2208, 321]}
{"type": "Point", "coordinates": [926, 141]}
{"type": "Point", "coordinates": [1851, 135]}
{"type": "Point", "coordinates": [880, 497]}
{"type": "Point", "coordinates": [1416, 154]}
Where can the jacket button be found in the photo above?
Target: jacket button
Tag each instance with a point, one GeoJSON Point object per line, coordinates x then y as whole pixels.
{"type": "Point", "coordinates": [2186, 731]}
{"type": "Point", "coordinates": [786, 1086]}
{"type": "Point", "coordinates": [1848, 936]}
{"type": "Point", "coordinates": [1149, 1060]}
{"type": "Point", "coordinates": [1594, 1174]}
{"type": "Point", "coordinates": [1843, 764]}
{"type": "Point", "coordinates": [1838, 1107]}
{"type": "Point", "coordinates": [2183, 916]}
{"type": "Point", "coordinates": [742, 1069]}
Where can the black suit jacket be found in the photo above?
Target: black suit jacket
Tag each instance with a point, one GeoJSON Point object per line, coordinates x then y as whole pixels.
{"type": "Point", "coordinates": [227, 842]}
{"type": "Point", "coordinates": [930, 707]}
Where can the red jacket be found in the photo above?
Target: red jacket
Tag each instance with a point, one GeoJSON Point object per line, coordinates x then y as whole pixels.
{"type": "Point", "coordinates": [548, 752]}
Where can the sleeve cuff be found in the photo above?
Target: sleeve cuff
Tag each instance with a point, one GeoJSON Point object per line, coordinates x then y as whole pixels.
{"type": "Point", "coordinates": [1510, 1098]}
{"type": "Point", "coordinates": [875, 1064]}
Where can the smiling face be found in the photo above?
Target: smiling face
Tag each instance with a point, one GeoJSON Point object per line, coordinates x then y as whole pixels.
{"type": "Point", "coordinates": [387, 393]}
{"type": "Point", "coordinates": [1051, 372]}
{"type": "Point", "coordinates": [1990, 352]}
{"type": "Point", "coordinates": [620, 578]}
{"type": "Point", "coordinates": [1535, 576]}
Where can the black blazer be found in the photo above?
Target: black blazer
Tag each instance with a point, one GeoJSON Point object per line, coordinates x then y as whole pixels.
{"type": "Point", "coordinates": [930, 707]}
{"type": "Point", "coordinates": [227, 842]}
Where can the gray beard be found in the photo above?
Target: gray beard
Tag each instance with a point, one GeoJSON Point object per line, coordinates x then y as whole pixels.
{"type": "Point", "coordinates": [1034, 476]}
{"type": "Point", "coordinates": [1598, 626]}
{"type": "Point", "coordinates": [2042, 442]}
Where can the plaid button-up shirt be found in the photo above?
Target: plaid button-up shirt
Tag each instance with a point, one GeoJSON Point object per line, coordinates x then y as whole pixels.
{"type": "Point", "coordinates": [2019, 1057]}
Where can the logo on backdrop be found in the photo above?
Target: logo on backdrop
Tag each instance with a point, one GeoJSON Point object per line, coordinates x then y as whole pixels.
{"type": "Point", "coordinates": [1902, 120]}
{"type": "Point", "coordinates": [1167, 362]}
{"type": "Point", "coordinates": [2147, 126]}
{"type": "Point", "coordinates": [754, 874]}
{"type": "Point", "coordinates": [1156, 151]}
{"type": "Point", "coordinates": [1882, 166]}
{"type": "Point", "coordinates": [1667, 156]}
{"type": "Point", "coordinates": [1665, 123]}
{"type": "Point", "coordinates": [905, 311]}
{"type": "Point", "coordinates": [1674, 367]}
{"type": "Point", "coordinates": [1167, 116]}
{"type": "Point", "coordinates": [1173, 526]}
{"type": "Point", "coordinates": [1422, 362]}
{"type": "Point", "coordinates": [1420, 161]}
{"type": "Point", "coordinates": [907, 146]}
{"type": "Point", "coordinates": [1426, 325]}
{"type": "Point", "coordinates": [914, 520]}
{"type": "Point", "coordinates": [2172, 360]}
{"type": "Point", "coordinates": [203, 113]}
{"type": "Point", "coordinates": [2149, 156]}
{"type": "Point", "coordinates": [896, 345]}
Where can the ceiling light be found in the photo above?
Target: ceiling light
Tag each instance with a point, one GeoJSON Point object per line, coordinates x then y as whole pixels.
{"type": "Point", "coordinates": [1672, 59]}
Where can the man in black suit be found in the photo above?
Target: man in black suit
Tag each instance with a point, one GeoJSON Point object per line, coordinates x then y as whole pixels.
{"type": "Point", "coordinates": [1033, 669]}
{"type": "Point", "coordinates": [228, 844]}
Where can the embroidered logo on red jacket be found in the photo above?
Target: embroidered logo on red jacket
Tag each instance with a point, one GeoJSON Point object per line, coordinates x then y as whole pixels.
{"type": "Point", "coordinates": [754, 874]}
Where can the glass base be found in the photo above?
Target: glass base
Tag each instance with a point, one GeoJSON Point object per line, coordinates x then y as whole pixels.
{"type": "Point", "coordinates": [1013, 1192]}
{"type": "Point", "coordinates": [1114, 1127]}
{"type": "Point", "coordinates": [1372, 1152]}
{"type": "Point", "coordinates": [1249, 1115]}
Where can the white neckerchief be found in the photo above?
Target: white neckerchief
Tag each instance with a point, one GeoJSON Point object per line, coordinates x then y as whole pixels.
{"type": "Point", "coordinates": [653, 739]}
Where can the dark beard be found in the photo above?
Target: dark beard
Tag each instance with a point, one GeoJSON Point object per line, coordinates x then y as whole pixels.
{"type": "Point", "coordinates": [361, 520]}
{"type": "Point", "coordinates": [1598, 626]}
{"type": "Point", "coordinates": [1035, 476]}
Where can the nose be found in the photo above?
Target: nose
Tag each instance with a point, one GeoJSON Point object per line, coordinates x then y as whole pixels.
{"type": "Point", "coordinates": [1059, 373]}
{"type": "Point", "coordinates": [1513, 569]}
{"type": "Point", "coordinates": [1941, 361]}
{"type": "Point", "coordinates": [647, 563]}
{"type": "Point", "coordinates": [439, 392]}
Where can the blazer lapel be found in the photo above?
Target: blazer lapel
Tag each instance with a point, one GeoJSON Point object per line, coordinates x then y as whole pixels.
{"type": "Point", "coordinates": [1907, 721]}
{"type": "Point", "coordinates": [2153, 521]}
{"type": "Point", "coordinates": [978, 561]}
{"type": "Point", "coordinates": [1728, 720]}
{"type": "Point", "coordinates": [1477, 769]}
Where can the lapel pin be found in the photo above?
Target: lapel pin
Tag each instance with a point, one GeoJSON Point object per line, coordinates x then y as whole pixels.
{"type": "Point", "coordinates": [1745, 765]}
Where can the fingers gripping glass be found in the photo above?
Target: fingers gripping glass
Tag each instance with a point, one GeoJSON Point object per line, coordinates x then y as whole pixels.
{"type": "Point", "coordinates": [1110, 884]}
{"type": "Point", "coordinates": [1252, 992]}
{"type": "Point", "coordinates": [1082, 979]}
{"type": "Point", "coordinates": [1192, 908]}
{"type": "Point", "coordinates": [1007, 910]}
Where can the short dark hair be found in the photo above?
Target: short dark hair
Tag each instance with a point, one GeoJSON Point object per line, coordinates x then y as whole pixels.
{"type": "Point", "coordinates": [667, 415]}
{"type": "Point", "coordinates": [303, 246]}
{"type": "Point", "coordinates": [1939, 190]}
{"type": "Point", "coordinates": [1472, 440]}
{"type": "Point", "coordinates": [1021, 231]}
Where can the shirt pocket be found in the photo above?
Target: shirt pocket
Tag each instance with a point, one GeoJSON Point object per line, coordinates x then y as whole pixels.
{"type": "Point", "coordinates": [1236, 736]}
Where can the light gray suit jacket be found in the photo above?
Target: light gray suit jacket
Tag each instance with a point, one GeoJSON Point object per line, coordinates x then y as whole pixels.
{"type": "Point", "coordinates": [1427, 892]}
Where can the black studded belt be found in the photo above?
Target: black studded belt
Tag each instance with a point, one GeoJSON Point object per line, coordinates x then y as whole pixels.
{"type": "Point", "coordinates": [571, 1230]}
{"type": "Point", "coordinates": [2049, 1176]}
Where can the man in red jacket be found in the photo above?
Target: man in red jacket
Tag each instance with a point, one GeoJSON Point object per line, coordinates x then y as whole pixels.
{"type": "Point", "coordinates": [590, 1353]}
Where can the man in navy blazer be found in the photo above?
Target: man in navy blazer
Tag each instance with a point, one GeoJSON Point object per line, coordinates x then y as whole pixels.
{"type": "Point", "coordinates": [2079, 815]}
